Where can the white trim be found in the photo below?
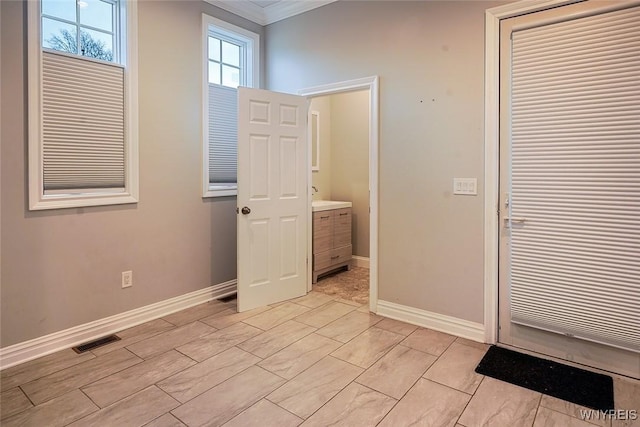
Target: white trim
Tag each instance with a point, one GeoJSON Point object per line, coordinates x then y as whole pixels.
{"type": "Point", "coordinates": [245, 9]}
{"type": "Point", "coordinates": [438, 322]}
{"type": "Point", "coordinates": [269, 14]}
{"type": "Point", "coordinates": [253, 75]}
{"type": "Point", "coordinates": [360, 261]}
{"type": "Point", "coordinates": [37, 199]}
{"type": "Point", "coordinates": [286, 9]}
{"type": "Point", "coordinates": [38, 347]}
{"type": "Point", "coordinates": [252, 39]}
{"type": "Point", "coordinates": [372, 85]}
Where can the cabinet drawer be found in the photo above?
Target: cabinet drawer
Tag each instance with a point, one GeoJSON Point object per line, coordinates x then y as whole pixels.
{"type": "Point", "coordinates": [342, 227]}
{"type": "Point", "coordinates": [321, 260]}
{"type": "Point", "coordinates": [340, 255]}
{"type": "Point", "coordinates": [326, 259]}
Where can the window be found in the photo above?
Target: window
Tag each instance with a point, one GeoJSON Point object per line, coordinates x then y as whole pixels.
{"type": "Point", "coordinates": [226, 64]}
{"type": "Point", "coordinates": [83, 27]}
{"type": "Point", "coordinates": [230, 60]}
{"type": "Point", "coordinates": [82, 103]}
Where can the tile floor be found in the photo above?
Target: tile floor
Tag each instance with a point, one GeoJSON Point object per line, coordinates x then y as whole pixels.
{"type": "Point", "coordinates": [313, 361]}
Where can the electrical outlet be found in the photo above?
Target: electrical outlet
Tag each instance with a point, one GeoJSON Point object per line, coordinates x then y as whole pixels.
{"type": "Point", "coordinates": [127, 279]}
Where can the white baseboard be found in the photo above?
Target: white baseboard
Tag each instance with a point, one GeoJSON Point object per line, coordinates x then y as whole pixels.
{"type": "Point", "coordinates": [38, 347]}
{"type": "Point", "coordinates": [360, 261]}
{"type": "Point", "coordinates": [439, 322]}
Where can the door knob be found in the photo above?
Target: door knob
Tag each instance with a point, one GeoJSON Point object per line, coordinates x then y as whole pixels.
{"type": "Point", "coordinates": [245, 211]}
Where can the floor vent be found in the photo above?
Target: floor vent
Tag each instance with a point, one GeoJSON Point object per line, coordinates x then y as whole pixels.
{"type": "Point", "coordinates": [95, 343]}
{"type": "Point", "coordinates": [227, 299]}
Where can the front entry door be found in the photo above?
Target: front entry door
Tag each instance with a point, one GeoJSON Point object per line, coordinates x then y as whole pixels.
{"type": "Point", "coordinates": [570, 185]}
{"type": "Point", "coordinates": [273, 199]}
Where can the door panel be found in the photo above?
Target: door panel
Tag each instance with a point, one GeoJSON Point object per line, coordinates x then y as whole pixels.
{"type": "Point", "coordinates": [552, 250]}
{"type": "Point", "coordinates": [272, 186]}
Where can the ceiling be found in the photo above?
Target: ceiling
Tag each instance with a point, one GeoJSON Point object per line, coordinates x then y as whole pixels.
{"type": "Point", "coordinates": [265, 12]}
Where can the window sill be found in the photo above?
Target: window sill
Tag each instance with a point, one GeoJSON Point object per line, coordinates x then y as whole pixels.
{"type": "Point", "coordinates": [63, 201]}
{"type": "Point", "coordinates": [220, 191]}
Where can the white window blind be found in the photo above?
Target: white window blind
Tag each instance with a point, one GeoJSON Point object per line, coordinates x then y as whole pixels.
{"type": "Point", "coordinates": [223, 134]}
{"type": "Point", "coordinates": [575, 262]}
{"type": "Point", "coordinates": [83, 124]}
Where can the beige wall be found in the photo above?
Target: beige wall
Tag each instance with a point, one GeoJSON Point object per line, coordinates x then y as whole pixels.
{"type": "Point", "coordinates": [429, 56]}
{"type": "Point", "coordinates": [350, 161]}
{"type": "Point", "coordinates": [61, 268]}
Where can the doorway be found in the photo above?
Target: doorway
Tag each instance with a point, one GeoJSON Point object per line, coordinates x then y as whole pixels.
{"type": "Point", "coordinates": [369, 88]}
{"type": "Point", "coordinates": [564, 283]}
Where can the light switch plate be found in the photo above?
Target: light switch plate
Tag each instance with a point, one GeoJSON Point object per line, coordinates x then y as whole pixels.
{"type": "Point", "coordinates": [465, 186]}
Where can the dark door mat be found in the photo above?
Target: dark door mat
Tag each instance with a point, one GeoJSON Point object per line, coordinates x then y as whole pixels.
{"type": "Point", "coordinates": [575, 385]}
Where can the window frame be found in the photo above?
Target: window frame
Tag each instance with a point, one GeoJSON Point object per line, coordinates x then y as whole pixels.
{"type": "Point", "coordinates": [211, 26]}
{"type": "Point", "coordinates": [128, 53]}
{"type": "Point", "coordinates": [118, 17]}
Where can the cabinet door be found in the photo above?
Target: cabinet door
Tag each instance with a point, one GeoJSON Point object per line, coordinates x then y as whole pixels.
{"type": "Point", "coordinates": [322, 231]}
{"type": "Point", "coordinates": [342, 227]}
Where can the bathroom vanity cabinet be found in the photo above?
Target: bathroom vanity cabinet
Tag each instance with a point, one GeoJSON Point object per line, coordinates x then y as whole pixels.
{"type": "Point", "coordinates": [331, 240]}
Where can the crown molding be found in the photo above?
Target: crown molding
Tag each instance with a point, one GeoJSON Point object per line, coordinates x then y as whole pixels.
{"type": "Point", "coordinates": [269, 14]}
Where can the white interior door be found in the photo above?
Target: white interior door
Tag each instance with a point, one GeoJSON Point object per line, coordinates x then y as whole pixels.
{"type": "Point", "coordinates": [569, 283]}
{"type": "Point", "coordinates": [272, 197]}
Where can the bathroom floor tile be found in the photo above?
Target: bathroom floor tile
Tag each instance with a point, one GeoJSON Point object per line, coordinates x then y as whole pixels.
{"type": "Point", "coordinates": [264, 413]}
{"type": "Point", "coordinates": [349, 326]}
{"type": "Point", "coordinates": [229, 317]}
{"type": "Point", "coordinates": [167, 420]}
{"type": "Point", "coordinates": [228, 399]}
{"type": "Point", "coordinates": [209, 345]}
{"type": "Point", "coordinates": [136, 378]}
{"type": "Point", "coordinates": [498, 403]}
{"type": "Point", "coordinates": [134, 335]}
{"type": "Point", "coordinates": [138, 409]}
{"type": "Point", "coordinates": [314, 387]}
{"type": "Point", "coordinates": [356, 405]}
{"type": "Point", "coordinates": [429, 341]}
{"type": "Point", "coordinates": [478, 345]}
{"type": "Point", "coordinates": [194, 313]}
{"type": "Point", "coordinates": [41, 367]}
{"type": "Point", "coordinates": [546, 417]}
{"type": "Point", "coordinates": [456, 368]}
{"type": "Point", "coordinates": [626, 397]}
{"type": "Point", "coordinates": [397, 371]}
{"type": "Point", "coordinates": [368, 347]}
{"type": "Point", "coordinates": [76, 376]}
{"type": "Point", "coordinates": [274, 340]}
{"type": "Point", "coordinates": [173, 338]}
{"type": "Point", "coordinates": [427, 404]}
{"type": "Point", "coordinates": [313, 299]}
{"type": "Point", "coordinates": [325, 314]}
{"type": "Point", "coordinates": [276, 316]}
{"type": "Point", "coordinates": [58, 411]}
{"type": "Point", "coordinates": [13, 401]}
{"type": "Point", "coordinates": [396, 326]}
{"type": "Point", "coordinates": [570, 409]}
{"type": "Point", "coordinates": [199, 378]}
{"type": "Point", "coordinates": [297, 357]}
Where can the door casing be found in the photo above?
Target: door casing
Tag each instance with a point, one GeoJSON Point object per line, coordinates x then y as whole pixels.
{"type": "Point", "coordinates": [370, 84]}
{"type": "Point", "coordinates": [492, 225]}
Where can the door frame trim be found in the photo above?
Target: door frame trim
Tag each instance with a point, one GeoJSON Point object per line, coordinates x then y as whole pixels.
{"type": "Point", "coordinates": [493, 17]}
{"type": "Point", "coordinates": [372, 85]}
